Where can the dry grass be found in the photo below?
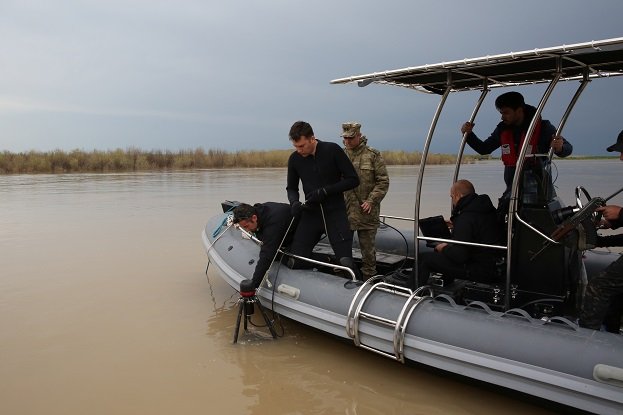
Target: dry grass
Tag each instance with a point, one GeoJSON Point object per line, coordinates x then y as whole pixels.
{"type": "Point", "coordinates": [133, 159]}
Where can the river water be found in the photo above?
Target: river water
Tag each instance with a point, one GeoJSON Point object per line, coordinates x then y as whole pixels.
{"type": "Point", "coordinates": [105, 307]}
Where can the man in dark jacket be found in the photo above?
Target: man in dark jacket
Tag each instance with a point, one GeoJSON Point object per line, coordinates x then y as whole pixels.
{"type": "Point", "coordinates": [473, 220]}
{"type": "Point", "coordinates": [604, 292]}
{"type": "Point", "coordinates": [269, 222]}
{"type": "Point", "coordinates": [510, 133]}
{"type": "Point", "coordinates": [325, 173]}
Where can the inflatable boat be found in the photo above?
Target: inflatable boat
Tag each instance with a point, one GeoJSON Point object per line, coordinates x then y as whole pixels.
{"type": "Point", "coordinates": [520, 332]}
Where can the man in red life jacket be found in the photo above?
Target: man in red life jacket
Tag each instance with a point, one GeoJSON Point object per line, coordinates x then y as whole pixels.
{"type": "Point", "coordinates": [510, 133]}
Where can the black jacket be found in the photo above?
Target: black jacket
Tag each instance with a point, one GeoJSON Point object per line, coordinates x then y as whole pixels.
{"type": "Point", "coordinates": [493, 142]}
{"type": "Point", "coordinates": [328, 168]}
{"type": "Point", "coordinates": [474, 219]}
{"type": "Point", "coordinates": [273, 221]}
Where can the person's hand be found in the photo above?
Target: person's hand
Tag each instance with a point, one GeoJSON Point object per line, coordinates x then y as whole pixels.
{"type": "Point", "coordinates": [557, 142]}
{"type": "Point", "coordinates": [449, 224]}
{"type": "Point", "coordinates": [610, 213]}
{"type": "Point", "coordinates": [467, 127]}
{"type": "Point", "coordinates": [316, 196]}
{"type": "Point", "coordinates": [604, 224]}
{"type": "Point", "coordinates": [439, 247]}
{"type": "Point", "coordinates": [296, 208]}
{"type": "Point", "coordinates": [366, 207]}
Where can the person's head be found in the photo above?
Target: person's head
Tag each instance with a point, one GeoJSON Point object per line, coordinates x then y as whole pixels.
{"type": "Point", "coordinates": [511, 107]}
{"type": "Point", "coordinates": [618, 146]}
{"type": "Point", "coordinates": [351, 133]}
{"type": "Point", "coordinates": [460, 189]}
{"type": "Point", "coordinates": [303, 139]}
{"type": "Point", "coordinates": [246, 217]}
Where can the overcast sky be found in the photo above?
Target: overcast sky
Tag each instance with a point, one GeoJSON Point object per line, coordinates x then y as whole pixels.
{"type": "Point", "coordinates": [235, 74]}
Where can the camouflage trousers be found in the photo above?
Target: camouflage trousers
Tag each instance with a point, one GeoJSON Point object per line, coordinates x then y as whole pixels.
{"type": "Point", "coordinates": [368, 252]}
{"type": "Point", "coordinates": [604, 293]}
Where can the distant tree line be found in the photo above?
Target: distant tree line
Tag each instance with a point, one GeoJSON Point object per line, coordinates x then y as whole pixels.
{"type": "Point", "coordinates": [133, 159]}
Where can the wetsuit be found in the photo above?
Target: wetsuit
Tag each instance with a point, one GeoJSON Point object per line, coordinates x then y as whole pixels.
{"type": "Point", "coordinates": [273, 220]}
{"type": "Point", "coordinates": [329, 169]}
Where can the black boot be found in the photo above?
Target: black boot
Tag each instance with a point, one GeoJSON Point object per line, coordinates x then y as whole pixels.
{"type": "Point", "coordinates": [350, 263]}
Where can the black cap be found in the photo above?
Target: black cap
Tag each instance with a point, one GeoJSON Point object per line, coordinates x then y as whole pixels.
{"type": "Point", "coordinates": [618, 146]}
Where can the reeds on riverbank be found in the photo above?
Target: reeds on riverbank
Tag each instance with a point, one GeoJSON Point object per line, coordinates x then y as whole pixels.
{"type": "Point", "coordinates": [133, 159]}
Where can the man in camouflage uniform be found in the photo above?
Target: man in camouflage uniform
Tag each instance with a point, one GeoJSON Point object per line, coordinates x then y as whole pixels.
{"type": "Point", "coordinates": [604, 292]}
{"type": "Point", "coordinates": [363, 203]}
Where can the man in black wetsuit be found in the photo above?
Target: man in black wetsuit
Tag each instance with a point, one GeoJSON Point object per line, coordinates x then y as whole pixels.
{"type": "Point", "coordinates": [269, 222]}
{"type": "Point", "coordinates": [325, 172]}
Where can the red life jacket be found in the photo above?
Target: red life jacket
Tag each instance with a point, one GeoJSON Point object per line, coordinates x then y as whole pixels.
{"type": "Point", "coordinates": [510, 152]}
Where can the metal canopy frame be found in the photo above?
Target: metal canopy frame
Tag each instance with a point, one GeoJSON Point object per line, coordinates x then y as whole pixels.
{"type": "Point", "coordinates": [582, 61]}
{"type": "Point", "coordinates": [603, 58]}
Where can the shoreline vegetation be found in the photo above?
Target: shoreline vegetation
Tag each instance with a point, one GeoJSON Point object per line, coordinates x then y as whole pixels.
{"type": "Point", "coordinates": [133, 159]}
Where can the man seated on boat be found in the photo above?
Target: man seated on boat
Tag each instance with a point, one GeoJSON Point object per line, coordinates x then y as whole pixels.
{"type": "Point", "coordinates": [473, 219]}
{"type": "Point", "coordinates": [269, 222]}
{"type": "Point", "coordinates": [603, 299]}
{"type": "Point", "coordinates": [510, 133]}
{"type": "Point", "coordinates": [325, 173]}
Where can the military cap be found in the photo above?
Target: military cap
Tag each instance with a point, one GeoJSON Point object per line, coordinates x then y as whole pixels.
{"type": "Point", "coordinates": [350, 129]}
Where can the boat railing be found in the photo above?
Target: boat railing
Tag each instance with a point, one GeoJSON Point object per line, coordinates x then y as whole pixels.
{"type": "Point", "coordinates": [455, 242]}
{"type": "Point", "coordinates": [357, 313]}
{"type": "Point", "coordinates": [248, 235]}
{"type": "Point", "coordinates": [535, 230]}
{"type": "Point", "coordinates": [316, 262]}
{"type": "Point", "coordinates": [383, 217]}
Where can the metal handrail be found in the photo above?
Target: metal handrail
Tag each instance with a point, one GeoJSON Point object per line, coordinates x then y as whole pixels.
{"type": "Point", "coordinates": [326, 264]}
{"type": "Point", "coordinates": [302, 258]}
{"type": "Point", "coordinates": [383, 217]}
{"type": "Point", "coordinates": [454, 241]}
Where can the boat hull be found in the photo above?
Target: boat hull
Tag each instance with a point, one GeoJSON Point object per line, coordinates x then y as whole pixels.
{"type": "Point", "coordinates": [553, 359]}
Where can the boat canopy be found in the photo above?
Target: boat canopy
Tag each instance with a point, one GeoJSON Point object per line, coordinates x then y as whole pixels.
{"type": "Point", "coordinates": [582, 61]}
{"type": "Point", "coordinates": [596, 59]}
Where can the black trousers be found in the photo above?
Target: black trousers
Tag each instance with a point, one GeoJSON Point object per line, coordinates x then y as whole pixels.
{"type": "Point", "coordinates": [311, 227]}
{"type": "Point", "coordinates": [435, 262]}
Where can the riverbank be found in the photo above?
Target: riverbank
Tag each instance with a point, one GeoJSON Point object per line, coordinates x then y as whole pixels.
{"type": "Point", "coordinates": [132, 159]}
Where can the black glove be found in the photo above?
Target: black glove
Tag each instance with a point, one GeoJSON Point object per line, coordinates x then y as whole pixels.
{"type": "Point", "coordinates": [316, 196]}
{"type": "Point", "coordinates": [296, 208]}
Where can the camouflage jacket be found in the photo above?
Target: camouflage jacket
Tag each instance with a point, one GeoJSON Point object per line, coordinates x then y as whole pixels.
{"type": "Point", "coordinates": [373, 186]}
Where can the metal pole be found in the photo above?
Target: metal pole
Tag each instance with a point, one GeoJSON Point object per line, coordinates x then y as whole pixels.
{"type": "Point", "coordinates": [418, 192]}
{"type": "Point", "coordinates": [459, 157]}
{"type": "Point", "coordinates": [512, 206]}
{"type": "Point", "coordinates": [574, 100]}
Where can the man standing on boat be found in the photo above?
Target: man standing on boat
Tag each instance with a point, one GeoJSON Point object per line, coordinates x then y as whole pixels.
{"type": "Point", "coordinates": [473, 220]}
{"type": "Point", "coordinates": [269, 222]}
{"type": "Point", "coordinates": [604, 292]}
{"type": "Point", "coordinates": [510, 133]}
{"type": "Point", "coordinates": [325, 173]}
{"type": "Point", "coordinates": [363, 203]}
